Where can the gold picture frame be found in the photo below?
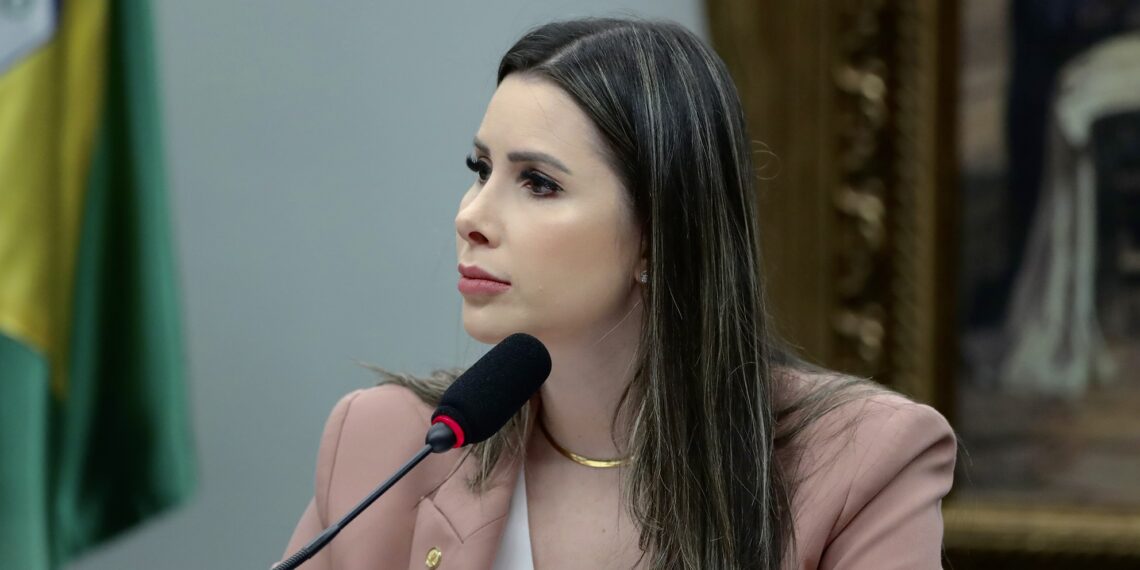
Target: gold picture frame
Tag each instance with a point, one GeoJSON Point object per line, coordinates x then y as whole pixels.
{"type": "Point", "coordinates": [856, 99]}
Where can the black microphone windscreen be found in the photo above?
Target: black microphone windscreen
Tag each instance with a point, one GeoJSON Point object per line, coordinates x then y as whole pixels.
{"type": "Point", "coordinates": [493, 389]}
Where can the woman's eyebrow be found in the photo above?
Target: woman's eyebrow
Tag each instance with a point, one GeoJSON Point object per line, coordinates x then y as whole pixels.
{"type": "Point", "coordinates": [526, 156]}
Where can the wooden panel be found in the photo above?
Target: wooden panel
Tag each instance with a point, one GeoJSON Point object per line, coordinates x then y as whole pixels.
{"type": "Point", "coordinates": [790, 119]}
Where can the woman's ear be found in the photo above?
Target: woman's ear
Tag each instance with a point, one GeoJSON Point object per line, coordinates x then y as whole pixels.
{"type": "Point", "coordinates": [643, 262]}
{"type": "Point", "coordinates": [642, 266]}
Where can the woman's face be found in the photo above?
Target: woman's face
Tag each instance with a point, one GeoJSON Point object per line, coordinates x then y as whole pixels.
{"type": "Point", "coordinates": [548, 215]}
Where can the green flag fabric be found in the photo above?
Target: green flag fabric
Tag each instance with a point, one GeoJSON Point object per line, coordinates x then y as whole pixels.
{"type": "Point", "coordinates": [94, 423]}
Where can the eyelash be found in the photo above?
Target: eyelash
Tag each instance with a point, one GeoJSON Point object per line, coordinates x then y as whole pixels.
{"type": "Point", "coordinates": [481, 169]}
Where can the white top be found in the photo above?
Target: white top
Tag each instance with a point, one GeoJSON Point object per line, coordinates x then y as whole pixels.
{"type": "Point", "coordinates": [514, 551]}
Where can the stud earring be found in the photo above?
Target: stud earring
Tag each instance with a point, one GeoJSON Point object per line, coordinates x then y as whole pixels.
{"type": "Point", "coordinates": [644, 277]}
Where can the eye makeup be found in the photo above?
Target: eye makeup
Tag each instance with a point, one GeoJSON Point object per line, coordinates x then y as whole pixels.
{"type": "Point", "coordinates": [539, 184]}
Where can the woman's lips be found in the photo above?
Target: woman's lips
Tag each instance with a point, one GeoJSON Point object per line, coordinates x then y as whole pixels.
{"type": "Point", "coordinates": [470, 286]}
{"type": "Point", "coordinates": [477, 281]}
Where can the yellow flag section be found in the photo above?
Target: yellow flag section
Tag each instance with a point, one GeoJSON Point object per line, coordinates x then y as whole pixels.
{"type": "Point", "coordinates": [50, 106]}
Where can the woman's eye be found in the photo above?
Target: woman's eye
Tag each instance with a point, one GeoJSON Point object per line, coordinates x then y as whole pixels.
{"type": "Point", "coordinates": [540, 186]}
{"type": "Point", "coordinates": [479, 167]}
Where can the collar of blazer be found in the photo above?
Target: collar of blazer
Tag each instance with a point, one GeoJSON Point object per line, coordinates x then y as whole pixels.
{"type": "Point", "coordinates": [464, 528]}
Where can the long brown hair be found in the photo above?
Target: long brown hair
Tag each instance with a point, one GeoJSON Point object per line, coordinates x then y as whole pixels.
{"type": "Point", "coordinates": [712, 429]}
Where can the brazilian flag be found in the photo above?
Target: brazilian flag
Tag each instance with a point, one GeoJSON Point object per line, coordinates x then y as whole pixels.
{"type": "Point", "coordinates": [94, 427]}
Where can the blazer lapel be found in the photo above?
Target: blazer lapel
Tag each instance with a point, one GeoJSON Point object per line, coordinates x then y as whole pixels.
{"type": "Point", "coordinates": [460, 530]}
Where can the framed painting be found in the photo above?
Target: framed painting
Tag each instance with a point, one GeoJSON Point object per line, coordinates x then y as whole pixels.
{"type": "Point", "coordinates": [922, 255]}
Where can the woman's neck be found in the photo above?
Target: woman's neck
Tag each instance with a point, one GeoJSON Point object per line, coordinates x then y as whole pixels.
{"type": "Point", "coordinates": [586, 383]}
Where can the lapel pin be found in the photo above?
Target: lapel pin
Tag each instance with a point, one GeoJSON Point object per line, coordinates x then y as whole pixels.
{"type": "Point", "coordinates": [434, 557]}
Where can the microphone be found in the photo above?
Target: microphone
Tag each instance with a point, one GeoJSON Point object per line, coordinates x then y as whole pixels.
{"type": "Point", "coordinates": [481, 401]}
{"type": "Point", "coordinates": [476, 406]}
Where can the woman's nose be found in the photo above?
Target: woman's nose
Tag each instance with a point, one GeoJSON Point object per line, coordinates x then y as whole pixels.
{"type": "Point", "coordinates": [471, 222]}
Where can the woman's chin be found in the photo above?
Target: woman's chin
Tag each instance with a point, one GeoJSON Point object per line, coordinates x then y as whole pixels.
{"type": "Point", "coordinates": [493, 331]}
{"type": "Point", "coordinates": [483, 338]}
{"type": "Point", "coordinates": [484, 332]}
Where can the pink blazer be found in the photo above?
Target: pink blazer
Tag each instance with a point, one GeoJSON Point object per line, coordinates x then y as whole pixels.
{"type": "Point", "coordinates": [869, 498]}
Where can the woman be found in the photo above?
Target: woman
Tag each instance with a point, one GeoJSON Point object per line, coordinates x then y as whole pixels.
{"type": "Point", "coordinates": [613, 216]}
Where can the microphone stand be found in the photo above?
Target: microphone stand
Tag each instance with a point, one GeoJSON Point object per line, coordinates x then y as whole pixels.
{"type": "Point", "coordinates": [440, 438]}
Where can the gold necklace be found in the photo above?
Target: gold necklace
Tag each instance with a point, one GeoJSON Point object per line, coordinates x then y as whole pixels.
{"type": "Point", "coordinates": [579, 459]}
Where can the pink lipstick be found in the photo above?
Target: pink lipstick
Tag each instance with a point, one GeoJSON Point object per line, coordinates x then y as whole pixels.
{"type": "Point", "coordinates": [477, 281]}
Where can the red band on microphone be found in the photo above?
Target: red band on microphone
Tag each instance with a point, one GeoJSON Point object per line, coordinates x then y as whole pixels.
{"type": "Point", "coordinates": [458, 431]}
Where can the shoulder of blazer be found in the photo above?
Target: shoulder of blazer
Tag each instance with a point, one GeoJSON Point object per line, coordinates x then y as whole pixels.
{"type": "Point", "coordinates": [861, 447]}
{"type": "Point", "coordinates": [897, 434]}
{"type": "Point", "coordinates": [370, 433]}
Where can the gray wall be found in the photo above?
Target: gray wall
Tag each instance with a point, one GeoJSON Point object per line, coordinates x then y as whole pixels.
{"type": "Point", "coordinates": [315, 162]}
